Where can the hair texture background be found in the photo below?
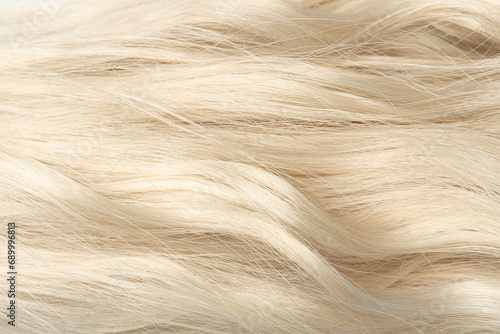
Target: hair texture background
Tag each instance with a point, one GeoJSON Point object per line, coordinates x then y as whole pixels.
{"type": "Point", "coordinates": [256, 166]}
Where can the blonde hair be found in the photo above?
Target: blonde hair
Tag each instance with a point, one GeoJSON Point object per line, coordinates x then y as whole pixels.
{"type": "Point", "coordinates": [255, 166]}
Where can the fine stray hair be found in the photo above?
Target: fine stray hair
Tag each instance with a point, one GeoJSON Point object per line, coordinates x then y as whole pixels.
{"type": "Point", "coordinates": [264, 166]}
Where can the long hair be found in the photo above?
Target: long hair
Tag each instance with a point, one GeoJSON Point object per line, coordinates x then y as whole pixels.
{"type": "Point", "coordinates": [265, 166]}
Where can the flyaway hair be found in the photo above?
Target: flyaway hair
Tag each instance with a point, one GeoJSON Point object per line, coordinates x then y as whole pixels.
{"type": "Point", "coordinates": [264, 166]}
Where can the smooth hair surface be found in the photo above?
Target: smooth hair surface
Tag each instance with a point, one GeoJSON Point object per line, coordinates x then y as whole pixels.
{"type": "Point", "coordinates": [265, 166]}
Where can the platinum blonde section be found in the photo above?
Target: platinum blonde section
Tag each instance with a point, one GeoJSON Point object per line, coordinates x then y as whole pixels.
{"type": "Point", "coordinates": [259, 166]}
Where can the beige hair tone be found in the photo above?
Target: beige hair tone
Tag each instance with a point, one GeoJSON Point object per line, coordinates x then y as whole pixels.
{"type": "Point", "coordinates": [264, 166]}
